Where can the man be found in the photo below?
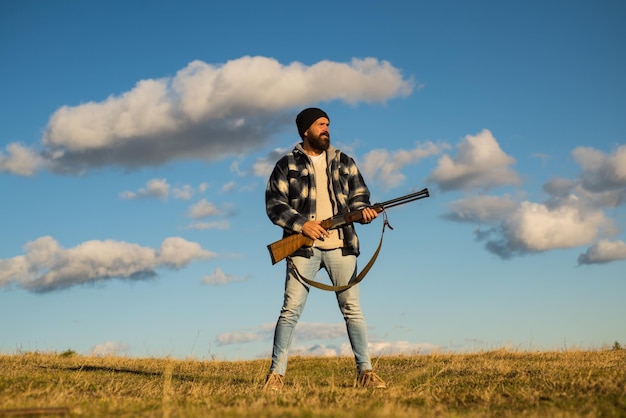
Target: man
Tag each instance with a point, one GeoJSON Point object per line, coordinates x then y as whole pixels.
{"type": "Point", "coordinates": [314, 182]}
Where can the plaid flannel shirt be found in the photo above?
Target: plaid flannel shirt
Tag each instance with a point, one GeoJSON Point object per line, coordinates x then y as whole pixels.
{"type": "Point", "coordinates": [290, 194]}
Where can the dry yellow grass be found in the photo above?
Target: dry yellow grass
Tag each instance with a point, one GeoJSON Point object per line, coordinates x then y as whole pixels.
{"type": "Point", "coordinates": [497, 383]}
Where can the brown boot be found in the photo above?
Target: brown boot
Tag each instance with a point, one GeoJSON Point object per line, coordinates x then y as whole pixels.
{"type": "Point", "coordinates": [370, 380]}
{"type": "Point", "coordinates": [274, 381]}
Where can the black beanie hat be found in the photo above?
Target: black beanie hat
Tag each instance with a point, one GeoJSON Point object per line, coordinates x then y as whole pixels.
{"type": "Point", "coordinates": [306, 118]}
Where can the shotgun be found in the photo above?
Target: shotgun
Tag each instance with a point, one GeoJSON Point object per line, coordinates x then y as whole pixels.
{"type": "Point", "coordinates": [283, 248]}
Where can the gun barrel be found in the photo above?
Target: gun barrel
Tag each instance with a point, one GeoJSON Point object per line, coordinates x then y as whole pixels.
{"type": "Point", "coordinates": [405, 199]}
{"type": "Point", "coordinates": [346, 218]}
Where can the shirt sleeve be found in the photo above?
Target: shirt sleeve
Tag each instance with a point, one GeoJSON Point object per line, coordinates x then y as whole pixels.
{"type": "Point", "coordinates": [277, 200]}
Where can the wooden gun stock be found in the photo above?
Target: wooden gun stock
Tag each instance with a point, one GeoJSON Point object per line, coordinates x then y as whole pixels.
{"type": "Point", "coordinates": [283, 248]}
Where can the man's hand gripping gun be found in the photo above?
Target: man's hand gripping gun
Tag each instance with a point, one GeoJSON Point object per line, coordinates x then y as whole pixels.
{"type": "Point", "coordinates": [290, 244]}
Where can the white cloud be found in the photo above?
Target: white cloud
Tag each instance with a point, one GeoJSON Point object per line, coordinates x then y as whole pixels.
{"type": "Point", "coordinates": [155, 188]}
{"type": "Point", "coordinates": [395, 348]}
{"type": "Point", "coordinates": [203, 209]}
{"type": "Point", "coordinates": [238, 338]}
{"type": "Point", "coordinates": [572, 216]}
{"type": "Point", "coordinates": [535, 227]}
{"type": "Point", "coordinates": [601, 172]}
{"type": "Point", "coordinates": [480, 163]}
{"type": "Point", "coordinates": [316, 350]}
{"type": "Point", "coordinates": [264, 332]}
{"type": "Point", "coordinates": [604, 251]}
{"type": "Point", "coordinates": [385, 168]}
{"type": "Point", "coordinates": [229, 187]}
{"type": "Point", "coordinates": [559, 188]}
{"type": "Point", "coordinates": [176, 252]}
{"type": "Point", "coordinates": [20, 160]}
{"type": "Point", "coordinates": [184, 192]}
{"type": "Point", "coordinates": [109, 348]}
{"type": "Point", "coordinates": [307, 331]}
{"type": "Point", "coordinates": [47, 266]}
{"type": "Point", "coordinates": [205, 112]}
{"type": "Point", "coordinates": [161, 189]}
{"type": "Point", "coordinates": [377, 349]}
{"type": "Point", "coordinates": [603, 177]}
{"type": "Point", "coordinates": [203, 187]}
{"type": "Point", "coordinates": [481, 209]}
{"type": "Point", "coordinates": [220, 278]}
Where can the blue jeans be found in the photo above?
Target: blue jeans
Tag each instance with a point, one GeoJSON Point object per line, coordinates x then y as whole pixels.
{"type": "Point", "coordinates": [341, 269]}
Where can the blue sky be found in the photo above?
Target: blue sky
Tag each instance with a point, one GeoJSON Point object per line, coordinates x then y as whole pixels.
{"type": "Point", "coordinates": [137, 137]}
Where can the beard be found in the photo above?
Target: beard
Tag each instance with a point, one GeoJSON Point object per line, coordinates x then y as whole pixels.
{"type": "Point", "coordinates": [320, 142]}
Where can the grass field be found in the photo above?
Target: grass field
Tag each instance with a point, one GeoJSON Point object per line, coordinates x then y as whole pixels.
{"type": "Point", "coordinates": [488, 384]}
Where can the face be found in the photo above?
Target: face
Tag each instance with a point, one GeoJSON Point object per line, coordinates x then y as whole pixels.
{"type": "Point", "coordinates": [318, 135]}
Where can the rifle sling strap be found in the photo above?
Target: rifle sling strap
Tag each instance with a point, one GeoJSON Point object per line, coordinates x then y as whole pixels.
{"type": "Point", "coordinates": [357, 279]}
